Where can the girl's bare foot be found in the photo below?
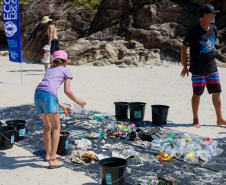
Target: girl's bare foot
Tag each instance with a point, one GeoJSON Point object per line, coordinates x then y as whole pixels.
{"type": "Point", "coordinates": [54, 163]}
{"type": "Point", "coordinates": [196, 123]}
{"type": "Point", "coordinates": [47, 158]}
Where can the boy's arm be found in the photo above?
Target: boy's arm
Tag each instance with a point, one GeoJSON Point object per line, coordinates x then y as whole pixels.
{"type": "Point", "coordinates": [184, 60]}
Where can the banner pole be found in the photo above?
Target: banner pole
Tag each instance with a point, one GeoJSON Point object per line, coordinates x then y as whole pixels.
{"type": "Point", "coordinates": [21, 72]}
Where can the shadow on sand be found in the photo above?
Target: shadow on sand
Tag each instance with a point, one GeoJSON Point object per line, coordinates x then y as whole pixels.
{"type": "Point", "coordinates": [15, 162]}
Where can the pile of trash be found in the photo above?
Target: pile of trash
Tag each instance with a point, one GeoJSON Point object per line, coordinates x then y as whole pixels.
{"type": "Point", "coordinates": [157, 180]}
{"type": "Point", "coordinates": [191, 151]}
{"type": "Point", "coordinates": [82, 157]}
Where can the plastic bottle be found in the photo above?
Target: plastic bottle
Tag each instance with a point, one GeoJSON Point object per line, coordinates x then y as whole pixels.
{"type": "Point", "coordinates": [76, 108]}
{"type": "Point", "coordinates": [156, 146]}
{"type": "Point", "coordinates": [101, 133]}
{"type": "Point", "coordinates": [216, 152]}
{"type": "Point", "coordinates": [129, 153]}
{"type": "Point", "coordinates": [93, 135]}
{"type": "Point", "coordinates": [169, 139]}
{"type": "Point", "coordinates": [212, 145]}
{"type": "Point", "coordinates": [157, 141]}
{"type": "Point", "coordinates": [182, 144]}
{"type": "Point", "coordinates": [185, 135]}
{"type": "Point", "coordinates": [176, 143]}
{"type": "Point", "coordinates": [155, 182]}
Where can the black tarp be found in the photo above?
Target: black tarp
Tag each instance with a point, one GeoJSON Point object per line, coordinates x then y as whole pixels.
{"type": "Point", "coordinates": [212, 173]}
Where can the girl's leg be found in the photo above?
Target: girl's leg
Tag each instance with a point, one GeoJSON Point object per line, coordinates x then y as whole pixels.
{"type": "Point", "coordinates": [46, 67]}
{"type": "Point", "coordinates": [54, 119]}
{"type": "Point", "coordinates": [46, 135]}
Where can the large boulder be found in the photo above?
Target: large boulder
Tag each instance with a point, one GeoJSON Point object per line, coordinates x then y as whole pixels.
{"type": "Point", "coordinates": [121, 32]}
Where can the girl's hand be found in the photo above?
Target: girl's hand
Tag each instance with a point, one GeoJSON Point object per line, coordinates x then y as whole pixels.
{"type": "Point", "coordinates": [42, 61]}
{"type": "Point", "coordinates": [81, 102]}
{"type": "Point", "coordinates": [67, 109]}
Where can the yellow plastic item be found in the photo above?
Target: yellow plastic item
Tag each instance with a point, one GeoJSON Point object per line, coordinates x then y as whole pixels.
{"type": "Point", "coordinates": [160, 156]}
{"type": "Point", "coordinates": [187, 139]}
{"type": "Point", "coordinates": [191, 154]}
{"type": "Point", "coordinates": [122, 127]}
{"type": "Point", "coordinates": [167, 158]}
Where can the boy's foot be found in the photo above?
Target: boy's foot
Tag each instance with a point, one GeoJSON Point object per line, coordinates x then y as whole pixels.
{"type": "Point", "coordinates": [54, 163]}
{"type": "Point", "coordinates": [196, 123]}
{"type": "Point", "coordinates": [221, 122]}
{"type": "Point", "coordinates": [48, 158]}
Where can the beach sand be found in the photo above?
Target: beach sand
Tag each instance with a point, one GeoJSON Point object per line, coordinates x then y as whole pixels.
{"type": "Point", "coordinates": [100, 87]}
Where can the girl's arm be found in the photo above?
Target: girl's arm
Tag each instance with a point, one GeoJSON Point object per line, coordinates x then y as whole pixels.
{"type": "Point", "coordinates": [70, 94]}
{"type": "Point", "coordinates": [66, 108]}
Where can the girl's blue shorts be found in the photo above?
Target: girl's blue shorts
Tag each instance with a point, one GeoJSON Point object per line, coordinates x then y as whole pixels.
{"type": "Point", "coordinates": [45, 102]}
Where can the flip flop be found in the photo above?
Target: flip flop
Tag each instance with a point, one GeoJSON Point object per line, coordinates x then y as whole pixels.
{"type": "Point", "coordinates": [196, 123]}
{"type": "Point", "coordinates": [56, 166]}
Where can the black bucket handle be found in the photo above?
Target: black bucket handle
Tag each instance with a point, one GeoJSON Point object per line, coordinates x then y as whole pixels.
{"type": "Point", "coordinates": [6, 138]}
{"type": "Point", "coordinates": [158, 113]}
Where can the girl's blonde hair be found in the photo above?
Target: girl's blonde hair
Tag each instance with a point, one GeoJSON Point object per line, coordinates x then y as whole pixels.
{"type": "Point", "coordinates": [57, 62]}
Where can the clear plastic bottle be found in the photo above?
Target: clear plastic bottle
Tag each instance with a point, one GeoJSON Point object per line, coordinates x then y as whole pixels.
{"type": "Point", "coordinates": [129, 153]}
{"type": "Point", "coordinates": [156, 146]}
{"type": "Point", "coordinates": [185, 135]}
{"type": "Point", "coordinates": [212, 145]}
{"type": "Point", "coordinates": [182, 144]}
{"type": "Point", "coordinates": [216, 152]}
{"type": "Point", "coordinates": [93, 135]}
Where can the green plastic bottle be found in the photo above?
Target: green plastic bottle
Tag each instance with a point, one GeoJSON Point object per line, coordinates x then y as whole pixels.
{"type": "Point", "coordinates": [101, 133]}
{"type": "Point", "coordinates": [155, 182]}
{"type": "Point", "coordinates": [168, 139]}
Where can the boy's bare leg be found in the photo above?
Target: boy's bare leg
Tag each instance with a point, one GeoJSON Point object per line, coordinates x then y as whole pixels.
{"type": "Point", "coordinates": [217, 105]}
{"type": "Point", "coordinates": [195, 106]}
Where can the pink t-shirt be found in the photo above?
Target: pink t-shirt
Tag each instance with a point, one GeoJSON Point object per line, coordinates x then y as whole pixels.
{"type": "Point", "coordinates": [53, 78]}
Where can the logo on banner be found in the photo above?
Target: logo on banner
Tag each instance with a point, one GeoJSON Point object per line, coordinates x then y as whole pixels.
{"type": "Point", "coordinates": [14, 54]}
{"type": "Point", "coordinates": [10, 29]}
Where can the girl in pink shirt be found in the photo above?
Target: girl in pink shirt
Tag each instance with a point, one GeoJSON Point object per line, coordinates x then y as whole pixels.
{"type": "Point", "coordinates": [47, 104]}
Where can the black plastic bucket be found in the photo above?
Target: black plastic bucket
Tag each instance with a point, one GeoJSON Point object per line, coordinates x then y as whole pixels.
{"type": "Point", "coordinates": [63, 143]}
{"type": "Point", "coordinates": [19, 125]}
{"type": "Point", "coordinates": [6, 137]}
{"type": "Point", "coordinates": [121, 110]}
{"type": "Point", "coordinates": [137, 110]}
{"type": "Point", "coordinates": [159, 114]}
{"type": "Point", "coordinates": [113, 171]}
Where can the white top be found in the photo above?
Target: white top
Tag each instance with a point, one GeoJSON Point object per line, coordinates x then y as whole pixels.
{"type": "Point", "coordinates": [47, 59]}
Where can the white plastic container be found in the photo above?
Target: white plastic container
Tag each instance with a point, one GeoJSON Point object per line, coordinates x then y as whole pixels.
{"type": "Point", "coordinates": [76, 108]}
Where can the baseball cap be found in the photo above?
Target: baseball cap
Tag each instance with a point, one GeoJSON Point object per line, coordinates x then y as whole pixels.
{"type": "Point", "coordinates": [207, 8]}
{"type": "Point", "coordinates": [60, 54]}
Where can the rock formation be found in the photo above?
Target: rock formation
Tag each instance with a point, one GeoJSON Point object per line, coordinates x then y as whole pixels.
{"type": "Point", "coordinates": [121, 32]}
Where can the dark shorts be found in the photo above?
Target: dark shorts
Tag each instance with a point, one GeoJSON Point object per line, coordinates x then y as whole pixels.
{"type": "Point", "coordinates": [54, 46]}
{"type": "Point", "coordinates": [211, 81]}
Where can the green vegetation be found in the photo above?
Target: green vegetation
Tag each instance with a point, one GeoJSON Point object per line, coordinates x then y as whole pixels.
{"type": "Point", "coordinates": [87, 4]}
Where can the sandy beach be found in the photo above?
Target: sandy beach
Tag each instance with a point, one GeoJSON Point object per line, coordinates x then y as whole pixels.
{"type": "Point", "coordinates": [100, 87]}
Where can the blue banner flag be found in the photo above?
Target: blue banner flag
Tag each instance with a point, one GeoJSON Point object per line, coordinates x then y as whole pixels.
{"type": "Point", "coordinates": [11, 15]}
